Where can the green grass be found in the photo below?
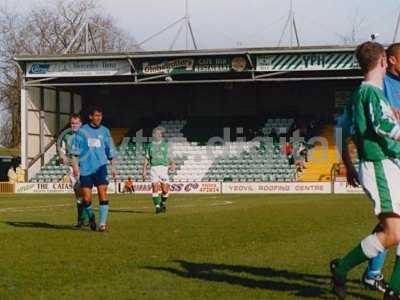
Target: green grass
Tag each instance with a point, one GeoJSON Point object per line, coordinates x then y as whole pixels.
{"type": "Point", "coordinates": [205, 247]}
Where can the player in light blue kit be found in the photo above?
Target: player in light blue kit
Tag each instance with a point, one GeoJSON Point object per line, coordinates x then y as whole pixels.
{"type": "Point", "coordinates": [94, 148]}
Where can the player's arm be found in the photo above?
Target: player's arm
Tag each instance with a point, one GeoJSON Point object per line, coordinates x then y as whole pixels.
{"type": "Point", "coordinates": [146, 162]}
{"type": "Point", "coordinates": [145, 168]}
{"type": "Point", "coordinates": [110, 150]}
{"type": "Point", "coordinates": [172, 163]}
{"type": "Point", "coordinates": [112, 168]}
{"type": "Point", "coordinates": [344, 124]}
{"type": "Point", "coordinates": [351, 173]}
{"type": "Point", "coordinates": [63, 153]}
{"type": "Point", "coordinates": [76, 148]}
{"type": "Point", "coordinates": [75, 165]}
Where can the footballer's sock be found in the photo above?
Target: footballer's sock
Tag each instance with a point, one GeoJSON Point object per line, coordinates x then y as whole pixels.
{"type": "Point", "coordinates": [103, 212]}
{"type": "Point", "coordinates": [394, 283]}
{"type": "Point", "coordinates": [84, 216]}
{"type": "Point", "coordinates": [156, 199]}
{"type": "Point", "coordinates": [369, 248]}
{"type": "Point", "coordinates": [89, 210]}
{"type": "Point", "coordinates": [79, 207]}
{"type": "Point", "coordinates": [164, 197]}
{"type": "Point", "coordinates": [375, 265]}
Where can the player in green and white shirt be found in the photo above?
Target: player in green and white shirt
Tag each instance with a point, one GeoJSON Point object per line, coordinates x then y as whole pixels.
{"type": "Point", "coordinates": [159, 158]}
{"type": "Point", "coordinates": [372, 125]}
{"type": "Point", "coordinates": [64, 151]}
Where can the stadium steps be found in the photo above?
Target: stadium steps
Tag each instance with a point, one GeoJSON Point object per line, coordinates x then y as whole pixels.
{"type": "Point", "coordinates": [118, 134]}
{"type": "Point", "coordinates": [321, 161]}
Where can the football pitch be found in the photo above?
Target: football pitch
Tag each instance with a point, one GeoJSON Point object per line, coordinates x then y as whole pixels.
{"type": "Point", "coordinates": [205, 247]}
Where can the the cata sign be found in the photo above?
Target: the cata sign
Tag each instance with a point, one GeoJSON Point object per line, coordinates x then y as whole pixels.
{"type": "Point", "coordinates": [78, 68]}
{"type": "Point", "coordinates": [177, 187]}
{"type": "Point", "coordinates": [276, 188]}
{"type": "Point", "coordinates": [52, 188]}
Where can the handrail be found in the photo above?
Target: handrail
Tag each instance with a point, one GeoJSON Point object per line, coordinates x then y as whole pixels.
{"type": "Point", "coordinates": [40, 155]}
{"type": "Point", "coordinates": [333, 176]}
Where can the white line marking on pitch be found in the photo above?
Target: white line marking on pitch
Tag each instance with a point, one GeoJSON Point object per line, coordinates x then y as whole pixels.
{"type": "Point", "coordinates": [223, 203]}
{"type": "Point", "coordinates": [43, 207]}
{"type": "Point", "coordinates": [46, 207]}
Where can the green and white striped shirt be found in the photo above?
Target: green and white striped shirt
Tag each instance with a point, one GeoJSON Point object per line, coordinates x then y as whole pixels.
{"type": "Point", "coordinates": [372, 125]}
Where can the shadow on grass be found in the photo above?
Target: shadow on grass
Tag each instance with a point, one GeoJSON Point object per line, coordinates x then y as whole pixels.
{"type": "Point", "coordinates": [297, 284]}
{"type": "Point", "coordinates": [40, 225]}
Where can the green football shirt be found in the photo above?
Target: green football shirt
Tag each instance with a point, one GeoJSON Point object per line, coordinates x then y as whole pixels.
{"type": "Point", "coordinates": [157, 154]}
{"type": "Point", "coordinates": [372, 125]}
{"type": "Point", "coordinates": [67, 141]}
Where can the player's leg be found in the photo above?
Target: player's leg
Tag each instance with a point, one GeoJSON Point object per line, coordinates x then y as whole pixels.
{"type": "Point", "coordinates": [164, 195]}
{"type": "Point", "coordinates": [373, 277]}
{"type": "Point", "coordinates": [393, 290]}
{"type": "Point", "coordinates": [392, 237]}
{"type": "Point", "coordinates": [101, 183]}
{"type": "Point", "coordinates": [86, 194]}
{"type": "Point", "coordinates": [78, 200]}
{"type": "Point", "coordinates": [369, 248]}
{"type": "Point", "coordinates": [103, 207]}
{"type": "Point", "coordinates": [164, 187]}
{"type": "Point", "coordinates": [156, 188]}
{"type": "Point", "coordinates": [87, 206]}
{"type": "Point", "coordinates": [79, 206]}
{"type": "Point", "coordinates": [379, 179]}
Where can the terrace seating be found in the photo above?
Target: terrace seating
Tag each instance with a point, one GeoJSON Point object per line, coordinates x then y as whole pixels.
{"type": "Point", "coordinates": [251, 161]}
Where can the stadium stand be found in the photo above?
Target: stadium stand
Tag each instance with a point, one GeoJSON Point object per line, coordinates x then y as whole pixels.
{"type": "Point", "coordinates": [118, 134]}
{"type": "Point", "coordinates": [248, 160]}
{"type": "Point", "coordinates": [321, 162]}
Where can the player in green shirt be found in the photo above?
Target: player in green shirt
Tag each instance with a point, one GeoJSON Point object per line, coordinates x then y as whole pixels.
{"type": "Point", "coordinates": [158, 157]}
{"type": "Point", "coordinates": [65, 159]}
{"type": "Point", "coordinates": [376, 132]}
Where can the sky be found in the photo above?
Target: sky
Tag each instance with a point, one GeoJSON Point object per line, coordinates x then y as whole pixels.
{"type": "Point", "coordinates": [250, 23]}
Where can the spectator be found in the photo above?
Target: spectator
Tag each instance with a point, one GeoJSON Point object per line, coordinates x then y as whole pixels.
{"type": "Point", "coordinates": [299, 158]}
{"type": "Point", "coordinates": [341, 170]}
{"type": "Point", "coordinates": [12, 175]}
{"type": "Point", "coordinates": [65, 178]}
{"type": "Point", "coordinates": [291, 130]}
{"type": "Point", "coordinates": [275, 138]}
{"type": "Point", "coordinates": [287, 148]}
{"type": "Point", "coordinates": [288, 151]}
{"type": "Point", "coordinates": [129, 186]}
{"type": "Point", "coordinates": [303, 151]}
{"type": "Point", "coordinates": [20, 174]}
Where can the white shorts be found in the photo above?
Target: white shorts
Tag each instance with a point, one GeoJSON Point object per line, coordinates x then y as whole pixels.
{"type": "Point", "coordinates": [381, 182]}
{"type": "Point", "coordinates": [74, 181]}
{"type": "Point", "coordinates": [159, 174]}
